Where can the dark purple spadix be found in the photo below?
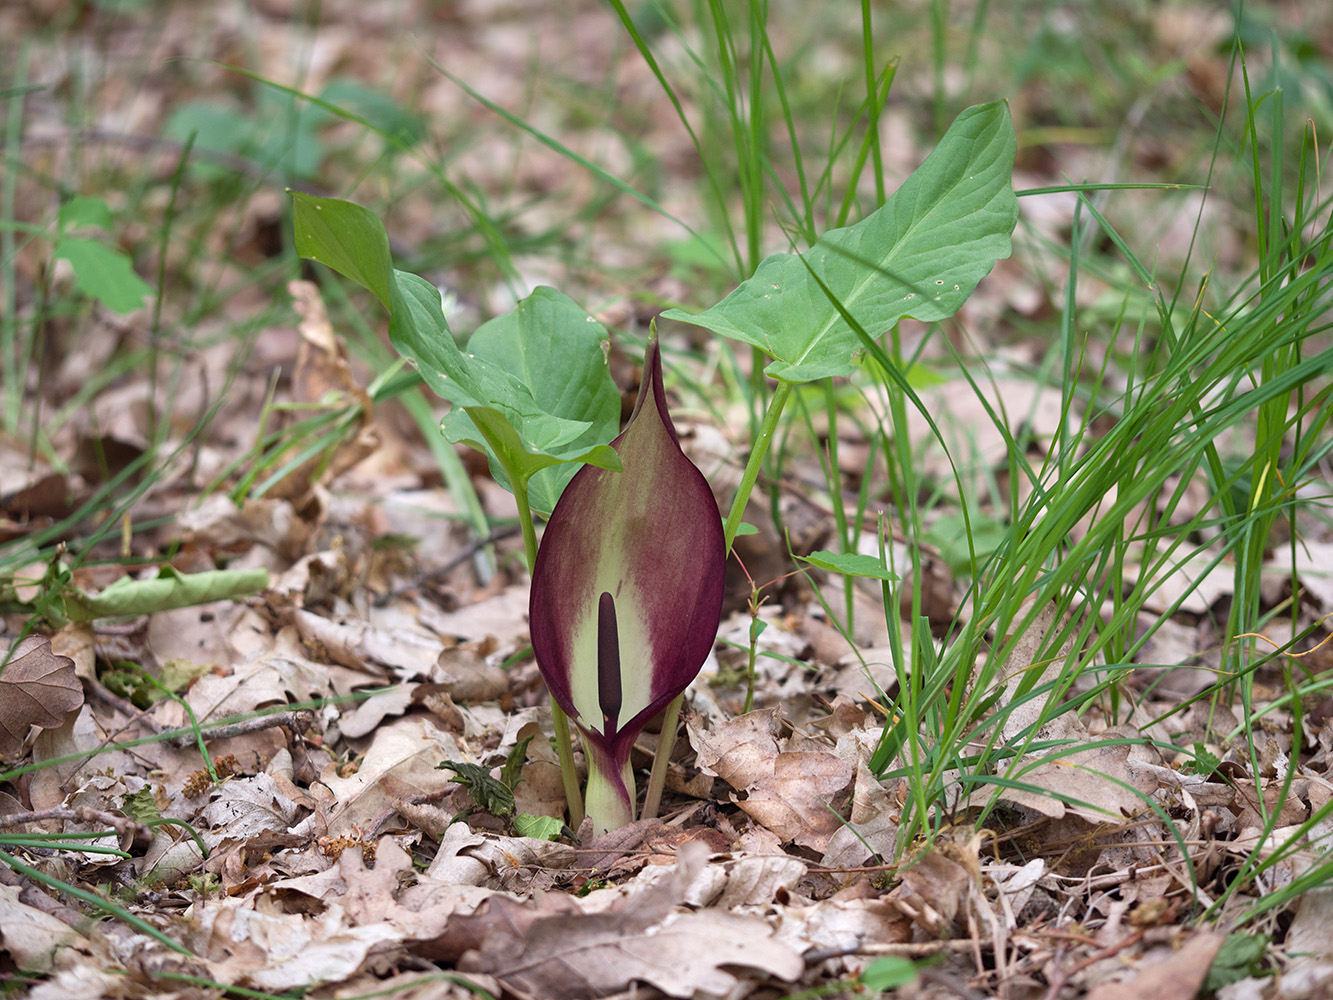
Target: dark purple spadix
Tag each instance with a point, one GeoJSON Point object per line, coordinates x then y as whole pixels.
{"type": "Point", "coordinates": [608, 662]}
{"type": "Point", "coordinates": [627, 593]}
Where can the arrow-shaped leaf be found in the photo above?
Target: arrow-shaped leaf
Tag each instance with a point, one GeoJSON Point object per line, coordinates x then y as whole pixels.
{"type": "Point", "coordinates": [920, 255]}
{"type": "Point", "coordinates": [533, 391]}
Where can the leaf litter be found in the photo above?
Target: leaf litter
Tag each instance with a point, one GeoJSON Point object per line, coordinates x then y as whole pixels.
{"type": "Point", "coordinates": [341, 856]}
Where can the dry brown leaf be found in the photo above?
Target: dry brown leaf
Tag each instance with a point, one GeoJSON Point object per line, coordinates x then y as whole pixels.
{"type": "Point", "coordinates": [1166, 973]}
{"type": "Point", "coordinates": [1313, 564]}
{"type": "Point", "coordinates": [362, 720]}
{"type": "Point", "coordinates": [754, 880]}
{"type": "Point", "coordinates": [218, 522]}
{"type": "Point", "coordinates": [30, 937]}
{"type": "Point", "coordinates": [82, 982]}
{"type": "Point", "coordinates": [935, 891]}
{"type": "Point", "coordinates": [407, 749]}
{"type": "Point", "coordinates": [551, 949]}
{"type": "Point", "coordinates": [37, 688]}
{"type": "Point", "coordinates": [540, 790]}
{"type": "Point", "coordinates": [800, 800]}
{"type": "Point", "coordinates": [1310, 971]}
{"type": "Point", "coordinates": [1097, 784]}
{"type": "Point", "coordinates": [1025, 713]}
{"type": "Point", "coordinates": [408, 651]}
{"type": "Point", "coordinates": [249, 806]}
{"type": "Point", "coordinates": [323, 378]}
{"type": "Point", "coordinates": [872, 827]}
{"type": "Point", "coordinates": [466, 675]}
{"type": "Point", "coordinates": [504, 616]}
{"type": "Point", "coordinates": [78, 641]}
{"type": "Point", "coordinates": [740, 750]}
{"type": "Point", "coordinates": [375, 895]}
{"type": "Point", "coordinates": [245, 945]}
{"type": "Point", "coordinates": [322, 367]}
{"type": "Point", "coordinates": [843, 925]}
{"type": "Point", "coordinates": [796, 793]}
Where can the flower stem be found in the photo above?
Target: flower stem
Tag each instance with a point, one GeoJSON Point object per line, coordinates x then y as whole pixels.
{"type": "Point", "coordinates": [564, 747]}
{"type": "Point", "coordinates": [665, 740]}
{"type": "Point", "coordinates": [570, 778]}
{"type": "Point", "coordinates": [756, 459]}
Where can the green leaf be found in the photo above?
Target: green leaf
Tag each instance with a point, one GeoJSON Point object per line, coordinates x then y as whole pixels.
{"type": "Point", "coordinates": [170, 589]}
{"type": "Point", "coordinates": [849, 564]}
{"type": "Point", "coordinates": [887, 973]}
{"type": "Point", "coordinates": [513, 765]}
{"type": "Point", "coordinates": [558, 351]}
{"type": "Point", "coordinates": [177, 674]}
{"type": "Point", "coordinates": [541, 827]}
{"type": "Point", "coordinates": [141, 807]}
{"type": "Point", "coordinates": [1240, 957]}
{"type": "Point", "coordinates": [1205, 762]}
{"type": "Point", "coordinates": [533, 391]}
{"type": "Point", "coordinates": [949, 533]}
{"type": "Point", "coordinates": [278, 133]}
{"type": "Point", "coordinates": [82, 210]}
{"type": "Point", "coordinates": [491, 796]}
{"type": "Point", "coordinates": [347, 238]}
{"type": "Point", "coordinates": [920, 255]}
{"type": "Point", "coordinates": [400, 127]}
{"type": "Point", "coordinates": [216, 127]}
{"type": "Point", "coordinates": [104, 274]}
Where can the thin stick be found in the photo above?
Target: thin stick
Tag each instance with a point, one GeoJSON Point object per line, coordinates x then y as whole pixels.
{"type": "Point", "coordinates": [121, 824]}
{"type": "Point", "coordinates": [295, 721]}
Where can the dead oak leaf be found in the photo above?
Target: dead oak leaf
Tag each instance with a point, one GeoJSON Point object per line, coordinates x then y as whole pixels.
{"type": "Point", "coordinates": [799, 800]}
{"type": "Point", "coordinates": [740, 750]}
{"type": "Point", "coordinates": [936, 891]}
{"type": "Point", "coordinates": [1097, 783]}
{"type": "Point", "coordinates": [788, 787]}
{"type": "Point", "coordinates": [277, 951]}
{"type": "Point", "coordinates": [1166, 973]}
{"type": "Point", "coordinates": [37, 688]}
{"type": "Point", "coordinates": [31, 937]}
{"type": "Point", "coordinates": [249, 807]}
{"type": "Point", "coordinates": [844, 925]}
{"type": "Point", "coordinates": [552, 948]}
{"type": "Point", "coordinates": [570, 956]}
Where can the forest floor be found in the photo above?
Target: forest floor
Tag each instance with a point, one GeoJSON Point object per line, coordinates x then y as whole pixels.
{"type": "Point", "coordinates": [377, 731]}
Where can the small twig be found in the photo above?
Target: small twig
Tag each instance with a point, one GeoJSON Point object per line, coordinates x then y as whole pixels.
{"type": "Point", "coordinates": [461, 556]}
{"type": "Point", "coordinates": [471, 549]}
{"type": "Point", "coordinates": [905, 949]}
{"type": "Point", "coordinates": [914, 949]}
{"type": "Point", "coordinates": [1063, 975]}
{"type": "Point", "coordinates": [295, 721]}
{"type": "Point", "coordinates": [121, 824]}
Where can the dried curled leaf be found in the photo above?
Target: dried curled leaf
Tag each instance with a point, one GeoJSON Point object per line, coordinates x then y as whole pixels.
{"type": "Point", "coordinates": [552, 947]}
{"type": "Point", "coordinates": [37, 688]}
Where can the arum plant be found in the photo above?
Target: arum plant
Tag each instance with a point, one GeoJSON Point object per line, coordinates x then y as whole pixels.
{"type": "Point", "coordinates": [627, 585]}
{"type": "Point", "coordinates": [627, 596]}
